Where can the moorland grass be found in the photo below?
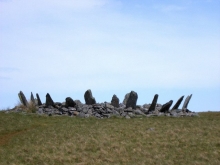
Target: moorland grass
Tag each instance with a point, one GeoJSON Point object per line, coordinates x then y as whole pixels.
{"type": "Point", "coordinates": [32, 139]}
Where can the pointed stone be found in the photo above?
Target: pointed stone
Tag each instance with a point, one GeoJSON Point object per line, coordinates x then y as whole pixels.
{"type": "Point", "coordinates": [176, 106]}
{"type": "Point", "coordinates": [38, 99]}
{"type": "Point", "coordinates": [153, 104]}
{"type": "Point", "coordinates": [89, 99]}
{"type": "Point", "coordinates": [70, 102]}
{"type": "Point", "coordinates": [115, 101]}
{"type": "Point", "coordinates": [186, 102]}
{"type": "Point", "coordinates": [166, 107]}
{"type": "Point", "coordinates": [32, 98]}
{"type": "Point", "coordinates": [49, 101]}
{"type": "Point", "coordinates": [132, 100]}
{"type": "Point", "coordinates": [22, 98]}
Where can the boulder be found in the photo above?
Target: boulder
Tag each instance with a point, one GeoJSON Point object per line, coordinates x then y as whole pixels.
{"type": "Point", "coordinates": [49, 101]}
{"type": "Point", "coordinates": [89, 99]}
{"type": "Point", "coordinates": [22, 98]}
{"type": "Point", "coordinates": [165, 108]}
{"type": "Point", "coordinates": [38, 100]}
{"type": "Point", "coordinates": [176, 106]}
{"type": "Point", "coordinates": [70, 102]}
{"type": "Point", "coordinates": [115, 101]}
{"type": "Point", "coordinates": [186, 102]}
{"type": "Point", "coordinates": [153, 104]}
{"type": "Point", "coordinates": [132, 100]}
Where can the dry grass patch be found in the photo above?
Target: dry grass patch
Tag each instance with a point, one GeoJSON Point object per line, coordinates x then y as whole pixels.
{"type": "Point", "coordinates": [67, 140]}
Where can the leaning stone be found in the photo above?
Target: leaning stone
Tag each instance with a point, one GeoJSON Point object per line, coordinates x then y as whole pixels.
{"type": "Point", "coordinates": [115, 101]}
{"type": "Point", "coordinates": [70, 102]}
{"type": "Point", "coordinates": [89, 99]}
{"type": "Point", "coordinates": [132, 100]}
{"type": "Point", "coordinates": [153, 104]}
{"type": "Point", "coordinates": [176, 106]}
{"type": "Point", "coordinates": [49, 101]}
{"type": "Point", "coordinates": [186, 102]}
{"type": "Point", "coordinates": [32, 98]}
{"type": "Point", "coordinates": [166, 107]}
{"type": "Point", "coordinates": [38, 100]}
{"type": "Point", "coordinates": [22, 98]}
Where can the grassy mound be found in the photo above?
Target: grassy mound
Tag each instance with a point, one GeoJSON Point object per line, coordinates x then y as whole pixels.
{"type": "Point", "coordinates": [32, 139]}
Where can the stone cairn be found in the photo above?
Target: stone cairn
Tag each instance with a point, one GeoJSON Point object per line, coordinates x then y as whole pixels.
{"type": "Point", "coordinates": [127, 109]}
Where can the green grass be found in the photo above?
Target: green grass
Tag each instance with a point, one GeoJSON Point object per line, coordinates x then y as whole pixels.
{"type": "Point", "coordinates": [31, 139]}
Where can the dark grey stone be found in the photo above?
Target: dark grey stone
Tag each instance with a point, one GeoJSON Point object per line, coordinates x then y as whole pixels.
{"type": "Point", "coordinates": [176, 106]}
{"type": "Point", "coordinates": [70, 102]}
{"type": "Point", "coordinates": [132, 100]}
{"type": "Point", "coordinates": [166, 107]}
{"type": "Point", "coordinates": [153, 104]}
{"type": "Point", "coordinates": [115, 101]}
{"type": "Point", "coordinates": [89, 99]}
{"type": "Point", "coordinates": [32, 98]}
{"type": "Point", "coordinates": [186, 102]}
{"type": "Point", "coordinates": [22, 98]}
{"type": "Point", "coordinates": [49, 101]}
{"type": "Point", "coordinates": [38, 100]}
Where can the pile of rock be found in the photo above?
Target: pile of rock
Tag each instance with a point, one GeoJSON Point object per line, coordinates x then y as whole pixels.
{"type": "Point", "coordinates": [127, 109]}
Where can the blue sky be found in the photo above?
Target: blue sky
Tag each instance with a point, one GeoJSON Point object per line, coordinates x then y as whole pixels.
{"type": "Point", "coordinates": [170, 48]}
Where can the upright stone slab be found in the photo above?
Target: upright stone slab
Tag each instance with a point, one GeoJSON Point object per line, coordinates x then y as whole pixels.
{"type": "Point", "coordinates": [38, 100]}
{"type": "Point", "coordinates": [89, 99]}
{"type": "Point", "coordinates": [186, 102]}
{"type": "Point", "coordinates": [126, 98]}
{"type": "Point", "coordinates": [153, 104]}
{"type": "Point", "coordinates": [132, 100]}
{"type": "Point", "coordinates": [32, 98]}
{"type": "Point", "coordinates": [70, 102]}
{"type": "Point", "coordinates": [115, 101]}
{"type": "Point", "coordinates": [22, 98]}
{"type": "Point", "coordinates": [166, 107]}
{"type": "Point", "coordinates": [176, 106]}
{"type": "Point", "coordinates": [49, 101]}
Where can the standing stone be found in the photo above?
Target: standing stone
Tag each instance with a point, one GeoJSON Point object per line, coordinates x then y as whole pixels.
{"type": "Point", "coordinates": [153, 104]}
{"type": "Point", "coordinates": [89, 99]}
{"type": "Point", "coordinates": [166, 107]}
{"type": "Point", "coordinates": [186, 102]}
{"type": "Point", "coordinates": [32, 98]}
{"type": "Point", "coordinates": [49, 101]}
{"type": "Point", "coordinates": [38, 100]}
{"type": "Point", "coordinates": [115, 101]}
{"type": "Point", "coordinates": [132, 100]}
{"type": "Point", "coordinates": [126, 98]}
{"type": "Point", "coordinates": [22, 98]}
{"type": "Point", "coordinates": [70, 102]}
{"type": "Point", "coordinates": [176, 106]}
